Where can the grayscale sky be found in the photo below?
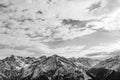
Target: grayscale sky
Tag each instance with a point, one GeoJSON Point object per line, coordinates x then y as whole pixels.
{"type": "Point", "coordinates": [70, 28]}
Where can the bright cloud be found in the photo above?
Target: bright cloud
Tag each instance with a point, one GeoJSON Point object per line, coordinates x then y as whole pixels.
{"type": "Point", "coordinates": [111, 22]}
{"type": "Point", "coordinates": [104, 50]}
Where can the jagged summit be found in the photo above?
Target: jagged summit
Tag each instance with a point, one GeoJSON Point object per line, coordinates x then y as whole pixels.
{"type": "Point", "coordinates": [56, 67]}
{"type": "Point", "coordinates": [55, 55]}
{"type": "Point", "coordinates": [11, 58]}
{"type": "Point", "coordinates": [30, 68]}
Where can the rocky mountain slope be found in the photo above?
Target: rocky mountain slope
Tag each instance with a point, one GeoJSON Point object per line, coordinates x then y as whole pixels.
{"type": "Point", "coordinates": [108, 69]}
{"type": "Point", "coordinates": [43, 68]}
{"type": "Point", "coordinates": [59, 68]}
{"type": "Point", "coordinates": [86, 62]}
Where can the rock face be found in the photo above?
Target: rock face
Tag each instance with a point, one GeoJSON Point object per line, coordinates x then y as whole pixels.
{"type": "Point", "coordinates": [108, 69]}
{"type": "Point", "coordinates": [43, 68]}
{"type": "Point", "coordinates": [12, 68]}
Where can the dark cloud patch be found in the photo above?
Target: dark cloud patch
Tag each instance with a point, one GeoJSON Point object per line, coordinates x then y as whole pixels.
{"type": "Point", "coordinates": [110, 54]}
{"type": "Point", "coordinates": [77, 23]}
{"type": "Point", "coordinates": [74, 22]}
{"type": "Point", "coordinates": [104, 7]}
{"type": "Point", "coordinates": [21, 47]}
{"type": "Point", "coordinates": [33, 50]}
{"type": "Point", "coordinates": [95, 54]}
{"type": "Point", "coordinates": [2, 46]}
{"type": "Point", "coordinates": [94, 6]}
{"type": "Point", "coordinates": [112, 4]}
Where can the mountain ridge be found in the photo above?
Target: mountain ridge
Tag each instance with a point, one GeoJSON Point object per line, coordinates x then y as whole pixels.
{"type": "Point", "coordinates": [58, 68]}
{"type": "Point", "coordinates": [30, 68]}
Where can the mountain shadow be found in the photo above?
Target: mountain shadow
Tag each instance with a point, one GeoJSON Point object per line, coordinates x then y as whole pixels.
{"type": "Point", "coordinates": [103, 74]}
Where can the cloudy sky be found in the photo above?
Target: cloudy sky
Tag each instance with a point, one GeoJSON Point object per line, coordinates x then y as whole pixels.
{"type": "Point", "coordinates": [70, 28]}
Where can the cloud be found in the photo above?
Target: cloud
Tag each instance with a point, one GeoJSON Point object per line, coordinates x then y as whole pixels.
{"type": "Point", "coordinates": [23, 29]}
{"type": "Point", "coordinates": [94, 54]}
{"type": "Point", "coordinates": [74, 10]}
{"type": "Point", "coordinates": [108, 23]}
{"type": "Point", "coordinates": [46, 27]}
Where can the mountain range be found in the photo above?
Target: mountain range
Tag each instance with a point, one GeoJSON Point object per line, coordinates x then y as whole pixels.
{"type": "Point", "coordinates": [59, 68]}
